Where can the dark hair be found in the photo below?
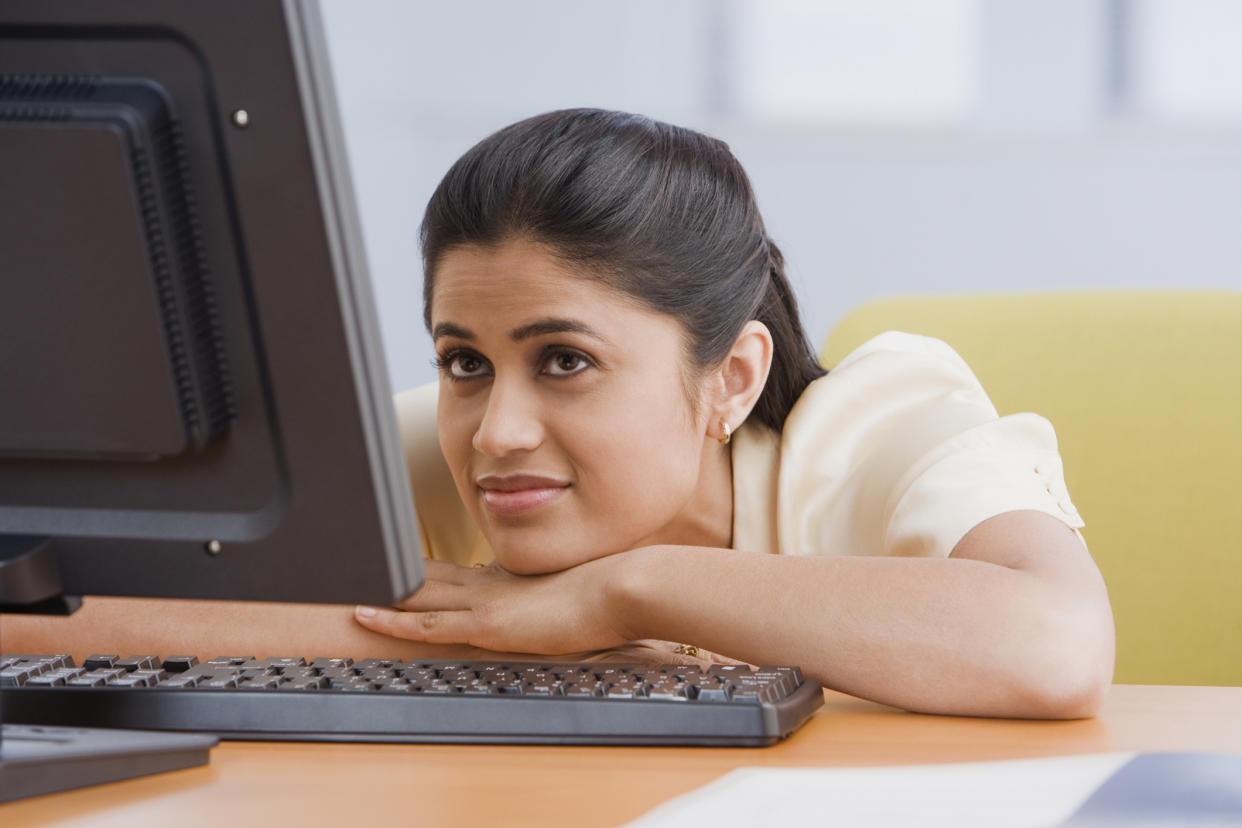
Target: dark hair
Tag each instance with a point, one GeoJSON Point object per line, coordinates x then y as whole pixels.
{"type": "Point", "coordinates": [659, 212]}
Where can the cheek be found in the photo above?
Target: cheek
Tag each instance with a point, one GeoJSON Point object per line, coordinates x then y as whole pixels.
{"type": "Point", "coordinates": [641, 463]}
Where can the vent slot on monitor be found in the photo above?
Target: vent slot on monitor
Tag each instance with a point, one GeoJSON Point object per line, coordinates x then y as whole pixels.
{"type": "Point", "coordinates": [106, 270]}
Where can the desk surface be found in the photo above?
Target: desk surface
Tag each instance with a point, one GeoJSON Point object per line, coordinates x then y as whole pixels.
{"type": "Point", "coordinates": [263, 782]}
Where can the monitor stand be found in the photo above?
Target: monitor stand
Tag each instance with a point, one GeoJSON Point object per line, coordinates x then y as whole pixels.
{"type": "Point", "coordinates": [37, 760]}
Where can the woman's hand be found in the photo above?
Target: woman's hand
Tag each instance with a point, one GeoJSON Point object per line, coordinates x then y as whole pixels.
{"type": "Point", "coordinates": [567, 612]}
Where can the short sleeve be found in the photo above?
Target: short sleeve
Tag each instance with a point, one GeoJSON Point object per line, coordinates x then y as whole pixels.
{"type": "Point", "coordinates": [897, 451]}
{"type": "Point", "coordinates": [1008, 464]}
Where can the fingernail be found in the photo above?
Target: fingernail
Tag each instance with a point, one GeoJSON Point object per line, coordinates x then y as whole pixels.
{"type": "Point", "coordinates": [364, 612]}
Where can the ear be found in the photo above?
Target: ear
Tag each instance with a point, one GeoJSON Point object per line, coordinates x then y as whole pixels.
{"type": "Point", "coordinates": [739, 380]}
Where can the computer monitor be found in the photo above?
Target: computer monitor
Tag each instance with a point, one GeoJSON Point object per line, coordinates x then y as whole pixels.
{"type": "Point", "coordinates": [193, 396]}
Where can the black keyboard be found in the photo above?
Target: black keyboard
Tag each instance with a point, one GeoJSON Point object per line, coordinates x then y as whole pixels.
{"type": "Point", "coordinates": [382, 700]}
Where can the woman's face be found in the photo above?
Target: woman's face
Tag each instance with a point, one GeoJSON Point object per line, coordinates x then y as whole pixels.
{"type": "Point", "coordinates": [563, 412]}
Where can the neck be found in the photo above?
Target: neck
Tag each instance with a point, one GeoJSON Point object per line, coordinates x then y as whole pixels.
{"type": "Point", "coordinates": [707, 519]}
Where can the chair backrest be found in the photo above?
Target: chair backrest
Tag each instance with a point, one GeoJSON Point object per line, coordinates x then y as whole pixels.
{"type": "Point", "coordinates": [1145, 392]}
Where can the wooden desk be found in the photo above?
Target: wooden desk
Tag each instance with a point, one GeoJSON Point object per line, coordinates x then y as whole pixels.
{"type": "Point", "coordinates": [266, 783]}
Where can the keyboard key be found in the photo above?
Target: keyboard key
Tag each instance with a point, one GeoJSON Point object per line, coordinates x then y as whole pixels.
{"type": "Point", "coordinates": [376, 673]}
{"type": "Point", "coordinates": [340, 673]}
{"type": "Point", "coordinates": [223, 683]}
{"type": "Point", "coordinates": [13, 677]}
{"type": "Point", "coordinates": [107, 674]}
{"type": "Point", "coordinates": [396, 687]}
{"type": "Point", "coordinates": [153, 677]}
{"type": "Point", "coordinates": [315, 683]}
{"type": "Point", "coordinates": [325, 663]}
{"type": "Point", "coordinates": [97, 662]}
{"type": "Point", "coordinates": [65, 673]}
{"type": "Point", "coordinates": [793, 673]}
{"type": "Point", "coordinates": [748, 696]}
{"type": "Point", "coordinates": [616, 691]}
{"type": "Point", "coordinates": [377, 664]}
{"type": "Point", "coordinates": [134, 663]}
{"type": "Point", "coordinates": [666, 694]}
{"type": "Point", "coordinates": [417, 674]}
{"type": "Point", "coordinates": [708, 693]}
{"type": "Point", "coordinates": [51, 662]}
{"type": "Point", "coordinates": [179, 664]}
{"type": "Point", "coordinates": [259, 683]}
{"type": "Point", "coordinates": [355, 687]}
{"type": "Point", "coordinates": [88, 680]}
{"type": "Point", "coordinates": [461, 674]}
{"type": "Point", "coordinates": [269, 666]}
{"type": "Point", "coordinates": [129, 680]}
{"type": "Point", "coordinates": [179, 680]}
{"type": "Point", "coordinates": [32, 666]}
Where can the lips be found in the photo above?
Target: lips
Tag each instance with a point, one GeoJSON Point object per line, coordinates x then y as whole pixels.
{"type": "Point", "coordinates": [519, 494]}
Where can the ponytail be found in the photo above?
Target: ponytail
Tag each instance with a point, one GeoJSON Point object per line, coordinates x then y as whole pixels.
{"type": "Point", "coordinates": [794, 364]}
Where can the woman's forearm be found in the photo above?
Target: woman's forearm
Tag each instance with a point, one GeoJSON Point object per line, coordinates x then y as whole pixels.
{"type": "Point", "coordinates": [148, 626]}
{"type": "Point", "coordinates": [934, 635]}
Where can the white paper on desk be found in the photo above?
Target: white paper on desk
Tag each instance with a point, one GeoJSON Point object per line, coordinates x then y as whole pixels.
{"type": "Point", "coordinates": [1007, 794]}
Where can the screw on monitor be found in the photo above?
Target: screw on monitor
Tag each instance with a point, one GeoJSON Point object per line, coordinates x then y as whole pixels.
{"type": "Point", "coordinates": [241, 118]}
{"type": "Point", "coordinates": [214, 547]}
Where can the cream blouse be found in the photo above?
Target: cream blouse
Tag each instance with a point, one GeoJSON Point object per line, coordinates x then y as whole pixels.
{"type": "Point", "coordinates": [897, 451]}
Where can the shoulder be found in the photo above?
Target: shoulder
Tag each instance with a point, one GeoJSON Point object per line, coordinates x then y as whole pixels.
{"type": "Point", "coordinates": [896, 343]}
{"type": "Point", "coordinates": [448, 531]}
{"type": "Point", "coordinates": [901, 360]}
{"type": "Point", "coordinates": [430, 479]}
{"type": "Point", "coordinates": [912, 389]}
{"type": "Point", "coordinates": [416, 418]}
{"type": "Point", "coordinates": [899, 450]}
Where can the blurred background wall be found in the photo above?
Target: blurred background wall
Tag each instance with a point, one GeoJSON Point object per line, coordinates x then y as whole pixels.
{"type": "Point", "coordinates": [896, 146]}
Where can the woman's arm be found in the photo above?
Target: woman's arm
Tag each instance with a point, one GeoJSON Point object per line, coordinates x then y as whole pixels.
{"type": "Point", "coordinates": [1016, 622]}
{"type": "Point", "coordinates": [163, 627]}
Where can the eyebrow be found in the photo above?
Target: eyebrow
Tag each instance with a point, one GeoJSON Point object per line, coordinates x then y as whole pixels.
{"type": "Point", "coordinates": [540, 327]}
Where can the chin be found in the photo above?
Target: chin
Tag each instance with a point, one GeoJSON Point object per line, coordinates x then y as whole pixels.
{"type": "Point", "coordinates": [528, 565]}
{"type": "Point", "coordinates": [535, 559]}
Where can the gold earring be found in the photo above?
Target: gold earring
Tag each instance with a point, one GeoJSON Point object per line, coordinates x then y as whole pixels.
{"type": "Point", "coordinates": [728, 433]}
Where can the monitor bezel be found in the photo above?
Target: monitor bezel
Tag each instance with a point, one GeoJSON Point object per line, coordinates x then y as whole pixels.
{"type": "Point", "coordinates": [340, 526]}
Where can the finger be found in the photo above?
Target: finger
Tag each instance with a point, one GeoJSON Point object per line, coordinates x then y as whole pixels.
{"type": "Point", "coordinates": [440, 627]}
{"type": "Point", "coordinates": [437, 595]}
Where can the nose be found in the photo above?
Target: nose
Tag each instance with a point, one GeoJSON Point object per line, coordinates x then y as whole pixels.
{"type": "Point", "coordinates": [511, 421]}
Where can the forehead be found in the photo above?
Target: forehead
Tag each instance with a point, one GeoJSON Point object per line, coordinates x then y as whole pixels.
{"type": "Point", "coordinates": [519, 275]}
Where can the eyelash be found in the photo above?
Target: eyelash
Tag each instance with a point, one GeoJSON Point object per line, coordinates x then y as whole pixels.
{"type": "Point", "coordinates": [444, 362]}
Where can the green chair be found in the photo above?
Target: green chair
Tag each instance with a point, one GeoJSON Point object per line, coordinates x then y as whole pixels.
{"type": "Point", "coordinates": [1145, 392]}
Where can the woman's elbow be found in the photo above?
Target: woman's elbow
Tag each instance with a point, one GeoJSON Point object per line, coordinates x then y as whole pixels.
{"type": "Point", "coordinates": [1072, 697]}
{"type": "Point", "coordinates": [1073, 679]}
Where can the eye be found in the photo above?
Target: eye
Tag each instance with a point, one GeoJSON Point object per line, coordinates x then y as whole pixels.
{"type": "Point", "coordinates": [462, 365]}
{"type": "Point", "coordinates": [565, 363]}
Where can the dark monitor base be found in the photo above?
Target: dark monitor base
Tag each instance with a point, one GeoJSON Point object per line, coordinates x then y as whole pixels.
{"type": "Point", "coordinates": [38, 760]}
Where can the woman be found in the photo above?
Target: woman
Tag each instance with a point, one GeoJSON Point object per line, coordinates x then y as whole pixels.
{"type": "Point", "coordinates": [631, 446]}
{"type": "Point", "coordinates": [630, 413]}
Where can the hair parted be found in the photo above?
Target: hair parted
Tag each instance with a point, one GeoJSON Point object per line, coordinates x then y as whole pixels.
{"type": "Point", "coordinates": [659, 212]}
